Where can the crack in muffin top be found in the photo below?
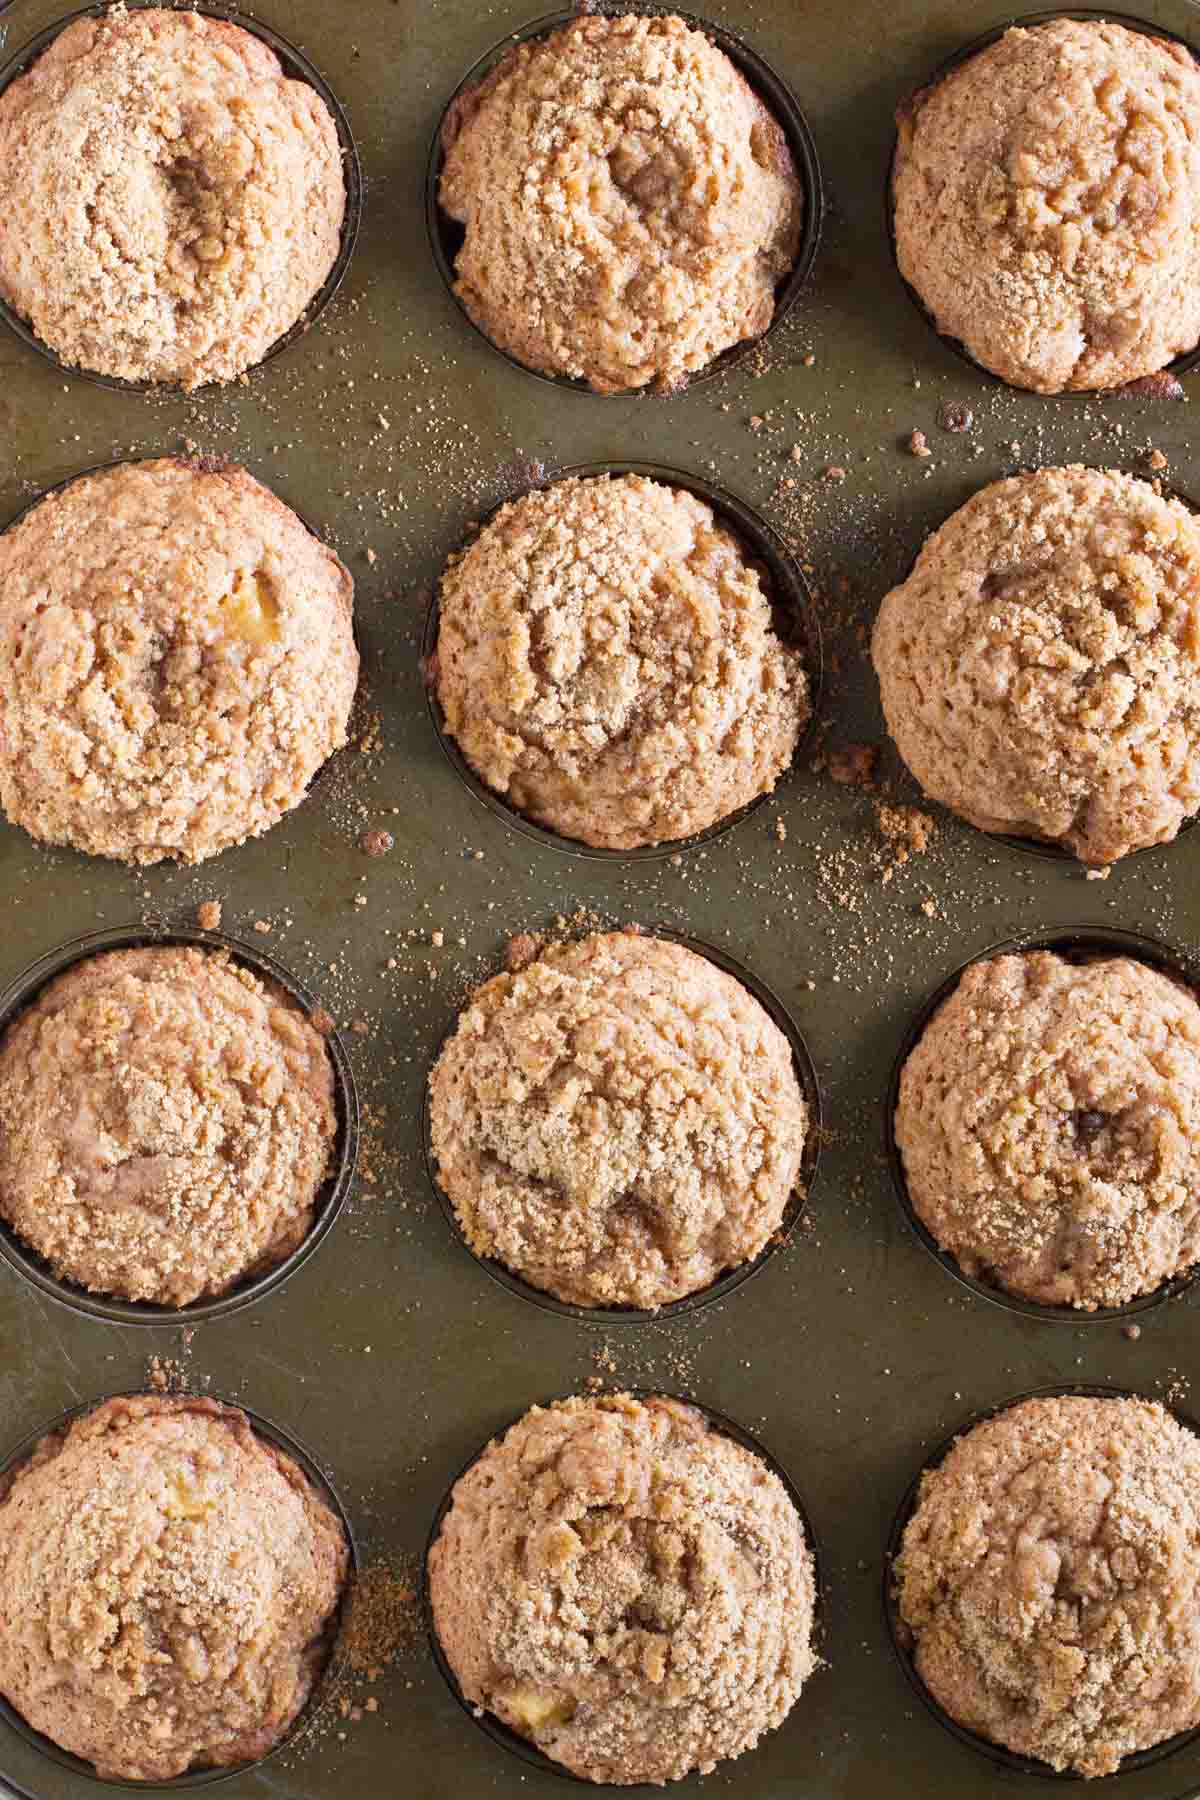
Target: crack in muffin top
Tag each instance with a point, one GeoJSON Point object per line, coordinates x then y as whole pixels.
{"type": "Point", "coordinates": [170, 201]}
{"type": "Point", "coordinates": [1040, 667]}
{"type": "Point", "coordinates": [606, 661]}
{"type": "Point", "coordinates": [629, 203]}
{"type": "Point", "coordinates": [1050, 1576]}
{"type": "Point", "coordinates": [623, 1584]}
{"type": "Point", "coordinates": [1047, 204]}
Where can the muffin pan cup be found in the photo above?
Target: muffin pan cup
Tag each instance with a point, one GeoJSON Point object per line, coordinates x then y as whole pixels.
{"type": "Point", "coordinates": [733, 1279]}
{"type": "Point", "coordinates": [900, 1637]}
{"type": "Point", "coordinates": [796, 623]}
{"type": "Point", "coordinates": [1179, 365]}
{"type": "Point", "coordinates": [446, 235]}
{"type": "Point", "coordinates": [525, 1748]}
{"type": "Point", "coordinates": [296, 65]}
{"type": "Point", "coordinates": [308, 1464]}
{"type": "Point", "coordinates": [26, 1262]}
{"type": "Point", "coordinates": [1081, 944]}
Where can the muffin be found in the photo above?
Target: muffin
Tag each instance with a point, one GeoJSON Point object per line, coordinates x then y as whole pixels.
{"type": "Point", "coordinates": [170, 202]}
{"type": "Point", "coordinates": [176, 661]}
{"type": "Point", "coordinates": [169, 1583]}
{"type": "Point", "coordinates": [1050, 1579]}
{"type": "Point", "coordinates": [628, 203]}
{"type": "Point", "coordinates": [625, 1586]}
{"type": "Point", "coordinates": [606, 662]}
{"type": "Point", "coordinates": [166, 1122]}
{"type": "Point", "coordinates": [1040, 667]}
{"type": "Point", "coordinates": [1049, 1125]}
{"type": "Point", "coordinates": [1047, 204]}
{"type": "Point", "coordinates": [619, 1122]}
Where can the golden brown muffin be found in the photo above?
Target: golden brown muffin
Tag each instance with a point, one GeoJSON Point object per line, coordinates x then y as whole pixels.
{"type": "Point", "coordinates": [1047, 204]}
{"type": "Point", "coordinates": [166, 1122]}
{"type": "Point", "coordinates": [1050, 1577]}
{"type": "Point", "coordinates": [168, 1586]}
{"type": "Point", "coordinates": [628, 202]}
{"type": "Point", "coordinates": [1040, 667]}
{"type": "Point", "coordinates": [624, 1585]}
{"type": "Point", "coordinates": [619, 1123]}
{"type": "Point", "coordinates": [177, 660]}
{"type": "Point", "coordinates": [606, 661]}
{"type": "Point", "coordinates": [1049, 1122]}
{"type": "Point", "coordinates": [169, 201]}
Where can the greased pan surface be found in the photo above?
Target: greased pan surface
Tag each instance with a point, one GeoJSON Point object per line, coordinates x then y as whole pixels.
{"type": "Point", "coordinates": [389, 427]}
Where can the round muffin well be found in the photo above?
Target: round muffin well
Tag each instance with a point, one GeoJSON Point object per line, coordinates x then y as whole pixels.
{"type": "Point", "coordinates": [626, 1587]}
{"type": "Point", "coordinates": [170, 1580]}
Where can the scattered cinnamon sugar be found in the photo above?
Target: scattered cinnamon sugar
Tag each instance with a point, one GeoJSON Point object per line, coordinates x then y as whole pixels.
{"type": "Point", "coordinates": [382, 1618]}
{"type": "Point", "coordinates": [907, 830]}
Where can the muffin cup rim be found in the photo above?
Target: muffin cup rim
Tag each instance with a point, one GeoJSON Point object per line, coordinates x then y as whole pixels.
{"type": "Point", "coordinates": [767, 83]}
{"type": "Point", "coordinates": [1010, 1760]}
{"type": "Point", "coordinates": [19, 993]}
{"type": "Point", "coordinates": [1156, 953]}
{"type": "Point", "coordinates": [1187, 360]}
{"type": "Point", "coordinates": [282, 1438]}
{"type": "Point", "coordinates": [725, 1285]}
{"type": "Point", "coordinates": [486, 1721]}
{"type": "Point", "coordinates": [297, 66]}
{"type": "Point", "coordinates": [761, 541]}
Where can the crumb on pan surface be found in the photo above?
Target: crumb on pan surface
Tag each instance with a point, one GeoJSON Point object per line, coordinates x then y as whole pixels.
{"type": "Point", "coordinates": [606, 661]}
{"type": "Point", "coordinates": [168, 1583]}
{"type": "Point", "coordinates": [629, 203]}
{"type": "Point", "coordinates": [170, 202]}
{"type": "Point", "coordinates": [1047, 204]}
{"type": "Point", "coordinates": [177, 661]}
{"type": "Point", "coordinates": [1040, 667]}
{"type": "Point", "coordinates": [1049, 1123]}
{"type": "Point", "coordinates": [624, 1585]}
{"type": "Point", "coordinates": [167, 1119]}
{"type": "Point", "coordinates": [1048, 1576]}
{"type": "Point", "coordinates": [618, 1122]}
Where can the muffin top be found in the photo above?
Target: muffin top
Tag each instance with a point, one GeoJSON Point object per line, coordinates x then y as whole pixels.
{"type": "Point", "coordinates": [166, 1121]}
{"type": "Point", "coordinates": [628, 202]}
{"type": "Point", "coordinates": [1049, 1122]}
{"type": "Point", "coordinates": [1047, 204]}
{"type": "Point", "coordinates": [168, 1584]}
{"type": "Point", "coordinates": [626, 1586]}
{"type": "Point", "coordinates": [176, 661]}
{"type": "Point", "coordinates": [1050, 1577]}
{"type": "Point", "coordinates": [606, 661]}
{"type": "Point", "coordinates": [619, 1123]}
{"type": "Point", "coordinates": [1039, 668]}
{"type": "Point", "coordinates": [169, 201]}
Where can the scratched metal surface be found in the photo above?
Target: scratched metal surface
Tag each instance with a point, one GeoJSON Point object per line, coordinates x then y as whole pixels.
{"type": "Point", "coordinates": [390, 1353]}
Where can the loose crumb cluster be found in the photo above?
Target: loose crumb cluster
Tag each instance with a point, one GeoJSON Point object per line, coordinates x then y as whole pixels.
{"type": "Point", "coordinates": [629, 204]}
{"type": "Point", "coordinates": [629, 1588]}
{"type": "Point", "coordinates": [1050, 1577]}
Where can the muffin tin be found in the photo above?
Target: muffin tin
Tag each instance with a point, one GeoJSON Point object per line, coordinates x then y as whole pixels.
{"type": "Point", "coordinates": [851, 1355]}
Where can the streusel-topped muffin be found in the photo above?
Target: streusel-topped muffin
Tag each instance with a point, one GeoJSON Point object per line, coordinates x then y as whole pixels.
{"type": "Point", "coordinates": [166, 1121]}
{"type": "Point", "coordinates": [170, 201]}
{"type": "Point", "coordinates": [1047, 203]}
{"type": "Point", "coordinates": [1040, 667]}
{"type": "Point", "coordinates": [629, 203]}
{"type": "Point", "coordinates": [169, 1582]}
{"type": "Point", "coordinates": [177, 660]}
{"type": "Point", "coordinates": [625, 1585]}
{"type": "Point", "coordinates": [606, 660]}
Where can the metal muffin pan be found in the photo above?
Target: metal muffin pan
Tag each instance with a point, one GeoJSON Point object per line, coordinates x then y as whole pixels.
{"type": "Point", "coordinates": [296, 65]}
{"type": "Point", "coordinates": [198, 1778]}
{"type": "Point", "coordinates": [446, 235]}
{"type": "Point", "coordinates": [732, 1279]}
{"type": "Point", "coordinates": [388, 1350]}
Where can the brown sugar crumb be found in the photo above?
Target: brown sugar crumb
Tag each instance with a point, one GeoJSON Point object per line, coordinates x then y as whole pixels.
{"type": "Point", "coordinates": [1132, 1332]}
{"type": "Point", "coordinates": [757, 422]}
{"type": "Point", "coordinates": [918, 444]}
{"type": "Point", "coordinates": [376, 843]}
{"type": "Point", "coordinates": [952, 416]}
{"type": "Point", "coordinates": [1156, 459]}
{"type": "Point", "coordinates": [521, 950]}
{"type": "Point", "coordinates": [853, 765]}
{"type": "Point", "coordinates": [781, 830]}
{"type": "Point", "coordinates": [321, 1021]}
{"type": "Point", "coordinates": [208, 915]}
{"type": "Point", "coordinates": [908, 832]}
{"type": "Point", "coordinates": [1160, 386]}
{"type": "Point", "coordinates": [263, 927]}
{"type": "Point", "coordinates": [796, 453]}
{"type": "Point", "coordinates": [835, 472]}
